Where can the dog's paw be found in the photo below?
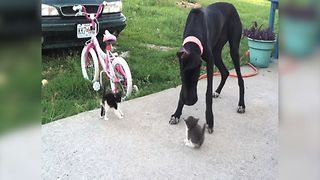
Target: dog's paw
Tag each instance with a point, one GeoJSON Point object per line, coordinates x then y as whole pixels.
{"type": "Point", "coordinates": [215, 95]}
{"type": "Point", "coordinates": [241, 109]}
{"type": "Point", "coordinates": [174, 120]}
{"type": "Point", "coordinates": [106, 119]}
{"type": "Point", "coordinates": [190, 144]}
{"type": "Point", "coordinates": [185, 141]}
{"type": "Point", "coordinates": [210, 130]}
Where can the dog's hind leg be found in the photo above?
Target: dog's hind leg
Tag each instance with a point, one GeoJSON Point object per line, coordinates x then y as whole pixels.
{"type": "Point", "coordinates": [175, 118]}
{"type": "Point", "coordinates": [209, 113]}
{"type": "Point", "coordinates": [234, 42]}
{"type": "Point", "coordinates": [223, 71]}
{"type": "Point", "coordinates": [235, 58]}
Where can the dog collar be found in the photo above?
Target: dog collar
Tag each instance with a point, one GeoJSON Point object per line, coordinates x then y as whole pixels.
{"type": "Point", "coordinates": [194, 40]}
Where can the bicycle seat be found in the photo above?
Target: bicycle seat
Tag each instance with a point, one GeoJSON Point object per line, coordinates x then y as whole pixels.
{"type": "Point", "coordinates": [108, 37]}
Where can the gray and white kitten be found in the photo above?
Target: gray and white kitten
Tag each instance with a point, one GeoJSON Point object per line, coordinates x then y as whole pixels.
{"type": "Point", "coordinates": [194, 133]}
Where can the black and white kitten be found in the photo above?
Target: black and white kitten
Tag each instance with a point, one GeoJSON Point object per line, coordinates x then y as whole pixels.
{"type": "Point", "coordinates": [111, 100]}
{"type": "Point", "coordinates": [194, 133]}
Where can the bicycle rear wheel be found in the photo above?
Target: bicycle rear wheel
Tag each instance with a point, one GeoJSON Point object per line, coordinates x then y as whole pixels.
{"type": "Point", "coordinates": [90, 66]}
{"type": "Point", "coordinates": [123, 74]}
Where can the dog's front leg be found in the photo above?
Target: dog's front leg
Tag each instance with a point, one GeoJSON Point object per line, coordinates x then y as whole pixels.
{"type": "Point", "coordinates": [175, 118]}
{"type": "Point", "coordinates": [209, 114]}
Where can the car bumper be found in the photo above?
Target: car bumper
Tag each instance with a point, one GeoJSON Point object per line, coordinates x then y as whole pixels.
{"type": "Point", "coordinates": [60, 32]}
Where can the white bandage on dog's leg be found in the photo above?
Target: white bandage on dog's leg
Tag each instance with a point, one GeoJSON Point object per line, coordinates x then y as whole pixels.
{"type": "Point", "coordinates": [215, 94]}
{"type": "Point", "coordinates": [190, 144]}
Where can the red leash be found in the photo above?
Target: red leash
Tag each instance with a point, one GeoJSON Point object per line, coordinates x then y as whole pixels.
{"type": "Point", "coordinates": [255, 70]}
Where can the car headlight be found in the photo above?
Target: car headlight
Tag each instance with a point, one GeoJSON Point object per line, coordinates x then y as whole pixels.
{"type": "Point", "coordinates": [113, 7]}
{"type": "Point", "coordinates": [47, 10]}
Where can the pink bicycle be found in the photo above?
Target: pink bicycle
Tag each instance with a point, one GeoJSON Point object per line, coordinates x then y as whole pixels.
{"type": "Point", "coordinates": [113, 66]}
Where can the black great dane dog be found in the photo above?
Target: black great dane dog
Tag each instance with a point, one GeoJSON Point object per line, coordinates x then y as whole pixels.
{"type": "Point", "coordinates": [206, 32]}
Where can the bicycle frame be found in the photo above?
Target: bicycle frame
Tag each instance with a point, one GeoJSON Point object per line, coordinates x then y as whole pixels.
{"type": "Point", "coordinates": [105, 59]}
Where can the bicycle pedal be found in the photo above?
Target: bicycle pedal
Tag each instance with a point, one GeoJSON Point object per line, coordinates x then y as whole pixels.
{"type": "Point", "coordinates": [96, 86]}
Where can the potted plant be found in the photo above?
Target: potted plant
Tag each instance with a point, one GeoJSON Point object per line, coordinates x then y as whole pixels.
{"type": "Point", "coordinates": [299, 28]}
{"type": "Point", "coordinates": [261, 43]}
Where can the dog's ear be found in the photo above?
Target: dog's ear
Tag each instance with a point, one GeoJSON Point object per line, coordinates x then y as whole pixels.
{"type": "Point", "coordinates": [183, 53]}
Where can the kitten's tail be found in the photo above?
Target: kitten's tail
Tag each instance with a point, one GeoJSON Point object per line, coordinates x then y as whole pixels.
{"type": "Point", "coordinates": [204, 128]}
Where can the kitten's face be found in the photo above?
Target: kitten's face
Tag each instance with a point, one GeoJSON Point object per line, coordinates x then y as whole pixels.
{"type": "Point", "coordinates": [191, 122]}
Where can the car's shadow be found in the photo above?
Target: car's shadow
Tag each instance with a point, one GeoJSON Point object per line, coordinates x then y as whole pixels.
{"type": "Point", "coordinates": [60, 52]}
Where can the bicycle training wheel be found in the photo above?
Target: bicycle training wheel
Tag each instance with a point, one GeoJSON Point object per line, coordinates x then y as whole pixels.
{"type": "Point", "coordinates": [90, 66]}
{"type": "Point", "coordinates": [123, 74]}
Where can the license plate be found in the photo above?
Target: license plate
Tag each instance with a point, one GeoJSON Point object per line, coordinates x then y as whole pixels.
{"type": "Point", "coordinates": [85, 30]}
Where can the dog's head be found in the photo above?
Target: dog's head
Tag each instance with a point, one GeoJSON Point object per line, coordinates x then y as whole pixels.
{"type": "Point", "coordinates": [190, 64]}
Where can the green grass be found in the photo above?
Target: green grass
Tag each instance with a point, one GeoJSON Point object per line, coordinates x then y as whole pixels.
{"type": "Point", "coordinates": [158, 22]}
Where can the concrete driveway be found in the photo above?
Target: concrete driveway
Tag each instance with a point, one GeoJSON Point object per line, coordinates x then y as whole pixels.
{"type": "Point", "coordinates": [144, 146]}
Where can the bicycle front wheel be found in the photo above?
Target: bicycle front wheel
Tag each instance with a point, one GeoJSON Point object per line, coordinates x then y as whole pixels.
{"type": "Point", "coordinates": [123, 74]}
{"type": "Point", "coordinates": [90, 65]}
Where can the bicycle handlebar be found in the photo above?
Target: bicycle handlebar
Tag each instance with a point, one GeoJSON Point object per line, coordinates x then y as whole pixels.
{"type": "Point", "coordinates": [77, 7]}
{"type": "Point", "coordinates": [90, 17]}
{"type": "Point", "coordinates": [82, 10]}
